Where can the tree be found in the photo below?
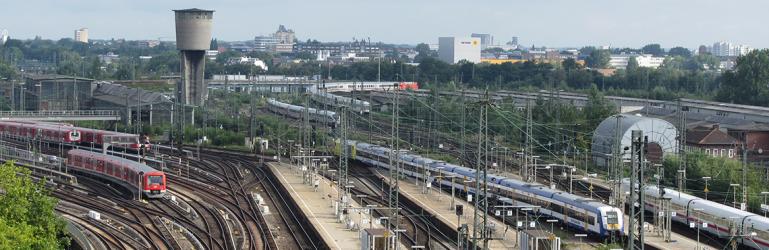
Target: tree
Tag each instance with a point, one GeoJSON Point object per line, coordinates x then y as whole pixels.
{"type": "Point", "coordinates": [423, 51]}
{"type": "Point", "coordinates": [653, 49]}
{"type": "Point", "coordinates": [214, 44]}
{"type": "Point", "coordinates": [597, 108]}
{"type": "Point", "coordinates": [632, 64]}
{"type": "Point", "coordinates": [598, 58]}
{"type": "Point", "coordinates": [680, 51]}
{"type": "Point", "coordinates": [27, 218]}
{"type": "Point", "coordinates": [7, 71]}
{"type": "Point", "coordinates": [570, 64]}
{"type": "Point", "coordinates": [747, 82]}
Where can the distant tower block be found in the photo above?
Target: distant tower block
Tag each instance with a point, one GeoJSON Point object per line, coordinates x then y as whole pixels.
{"type": "Point", "coordinates": [193, 38]}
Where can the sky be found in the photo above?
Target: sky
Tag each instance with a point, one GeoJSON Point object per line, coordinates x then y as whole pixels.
{"type": "Point", "coordinates": [551, 23]}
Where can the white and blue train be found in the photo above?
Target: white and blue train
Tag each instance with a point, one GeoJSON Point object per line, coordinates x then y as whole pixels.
{"type": "Point", "coordinates": [575, 211]}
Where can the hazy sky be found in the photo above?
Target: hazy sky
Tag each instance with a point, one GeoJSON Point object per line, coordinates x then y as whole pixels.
{"type": "Point", "coordinates": [553, 23]}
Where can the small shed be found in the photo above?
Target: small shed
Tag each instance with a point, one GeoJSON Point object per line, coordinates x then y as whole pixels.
{"type": "Point", "coordinates": [538, 240]}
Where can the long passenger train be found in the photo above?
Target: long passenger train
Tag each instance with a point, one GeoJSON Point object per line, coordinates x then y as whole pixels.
{"type": "Point", "coordinates": [297, 112]}
{"type": "Point", "coordinates": [580, 213]}
{"type": "Point", "coordinates": [356, 105]}
{"type": "Point", "coordinates": [364, 86]}
{"type": "Point", "coordinates": [750, 229]}
{"type": "Point", "coordinates": [66, 133]}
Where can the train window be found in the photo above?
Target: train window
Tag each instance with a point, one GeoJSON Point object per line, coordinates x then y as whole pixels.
{"type": "Point", "coordinates": [612, 218]}
{"type": "Point", "coordinates": [155, 179]}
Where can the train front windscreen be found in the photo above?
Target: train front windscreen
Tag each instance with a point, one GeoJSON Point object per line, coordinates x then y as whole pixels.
{"type": "Point", "coordinates": [155, 179]}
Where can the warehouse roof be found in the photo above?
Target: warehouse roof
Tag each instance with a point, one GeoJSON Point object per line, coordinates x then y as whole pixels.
{"type": "Point", "coordinates": [119, 95]}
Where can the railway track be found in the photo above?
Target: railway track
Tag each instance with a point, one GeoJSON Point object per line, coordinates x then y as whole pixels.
{"type": "Point", "coordinates": [242, 176]}
{"type": "Point", "coordinates": [422, 229]}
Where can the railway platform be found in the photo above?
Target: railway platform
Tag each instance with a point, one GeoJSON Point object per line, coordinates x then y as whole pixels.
{"type": "Point", "coordinates": [439, 204]}
{"type": "Point", "coordinates": [677, 241]}
{"type": "Point", "coordinates": [319, 209]}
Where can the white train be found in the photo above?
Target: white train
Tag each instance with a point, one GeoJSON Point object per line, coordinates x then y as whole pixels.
{"type": "Point", "coordinates": [578, 212]}
{"type": "Point", "coordinates": [364, 86]}
{"type": "Point", "coordinates": [333, 100]}
{"type": "Point", "coordinates": [750, 229]}
{"type": "Point", "coordinates": [297, 112]}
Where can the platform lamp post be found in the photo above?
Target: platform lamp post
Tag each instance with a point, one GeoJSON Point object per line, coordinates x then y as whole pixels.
{"type": "Point", "coordinates": [520, 156]}
{"type": "Point", "coordinates": [764, 206]}
{"type": "Point", "coordinates": [682, 172]}
{"type": "Point", "coordinates": [552, 222]}
{"type": "Point", "coordinates": [735, 186]}
{"type": "Point", "coordinates": [698, 225]}
{"type": "Point", "coordinates": [706, 190]}
{"type": "Point", "coordinates": [535, 158]}
{"type": "Point", "coordinates": [453, 196]}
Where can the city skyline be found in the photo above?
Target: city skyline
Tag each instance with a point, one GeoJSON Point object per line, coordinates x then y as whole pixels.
{"type": "Point", "coordinates": [559, 23]}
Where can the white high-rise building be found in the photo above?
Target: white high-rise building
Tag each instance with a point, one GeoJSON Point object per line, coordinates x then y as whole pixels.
{"type": "Point", "coordinates": [486, 39]}
{"type": "Point", "coordinates": [727, 49]}
{"type": "Point", "coordinates": [81, 35]}
{"type": "Point", "coordinates": [455, 49]}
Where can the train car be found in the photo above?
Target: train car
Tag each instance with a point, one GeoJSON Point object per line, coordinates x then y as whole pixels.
{"type": "Point", "coordinates": [578, 212]}
{"type": "Point", "coordinates": [95, 137]}
{"type": "Point", "coordinates": [66, 133]}
{"type": "Point", "coordinates": [41, 131]}
{"type": "Point", "coordinates": [365, 86]}
{"type": "Point", "coordinates": [326, 117]}
{"type": "Point", "coordinates": [127, 173]}
{"type": "Point", "coordinates": [333, 100]}
{"type": "Point", "coordinates": [752, 230]}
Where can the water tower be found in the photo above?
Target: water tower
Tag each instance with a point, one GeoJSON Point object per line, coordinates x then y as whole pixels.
{"type": "Point", "coordinates": [193, 38]}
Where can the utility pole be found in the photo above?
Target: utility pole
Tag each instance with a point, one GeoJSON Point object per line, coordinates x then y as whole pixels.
{"type": "Point", "coordinates": [343, 166]}
{"type": "Point", "coordinates": [636, 230]}
{"type": "Point", "coordinates": [528, 152]}
{"type": "Point", "coordinates": [481, 200]}
{"type": "Point", "coordinates": [682, 146]}
{"type": "Point", "coordinates": [394, 203]}
{"type": "Point", "coordinates": [615, 174]}
{"type": "Point", "coordinates": [464, 111]}
{"type": "Point", "coordinates": [306, 122]}
{"type": "Point", "coordinates": [370, 92]}
{"type": "Point", "coordinates": [744, 205]}
{"type": "Point", "coordinates": [663, 207]}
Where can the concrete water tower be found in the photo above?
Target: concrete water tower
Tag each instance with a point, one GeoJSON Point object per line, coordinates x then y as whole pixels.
{"type": "Point", "coordinates": [193, 38]}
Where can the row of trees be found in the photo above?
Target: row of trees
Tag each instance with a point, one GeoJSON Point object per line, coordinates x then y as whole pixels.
{"type": "Point", "coordinates": [682, 74]}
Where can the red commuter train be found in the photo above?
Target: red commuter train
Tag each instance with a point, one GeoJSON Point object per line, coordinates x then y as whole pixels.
{"type": "Point", "coordinates": [66, 133]}
{"type": "Point", "coordinates": [125, 172]}
{"type": "Point", "coordinates": [55, 132]}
